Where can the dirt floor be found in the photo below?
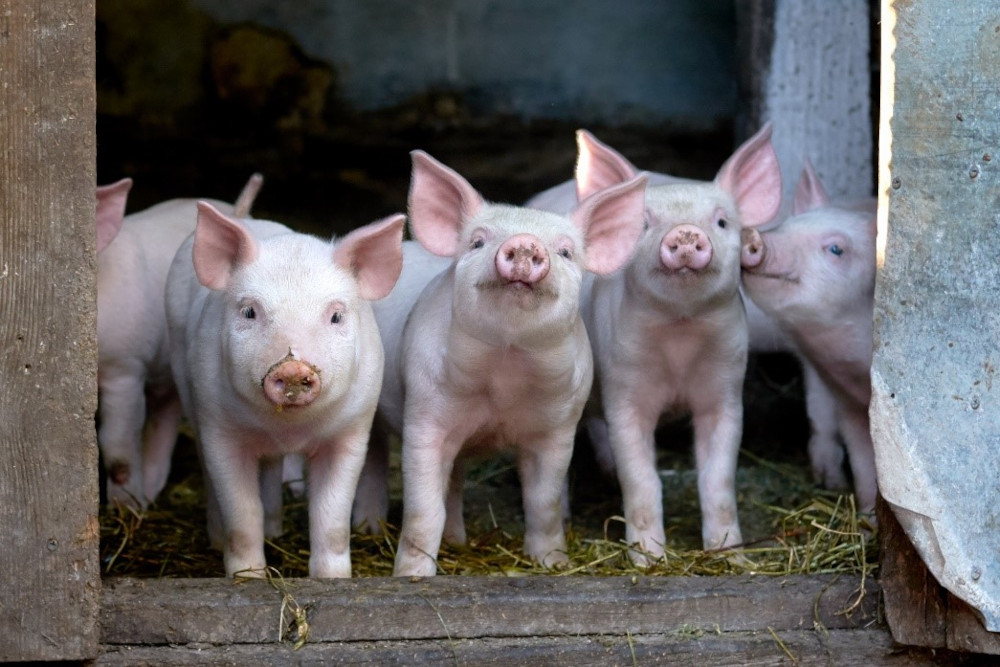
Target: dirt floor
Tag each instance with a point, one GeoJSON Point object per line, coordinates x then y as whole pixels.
{"type": "Point", "coordinates": [333, 181]}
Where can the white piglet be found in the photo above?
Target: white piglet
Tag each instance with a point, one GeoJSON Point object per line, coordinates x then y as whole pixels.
{"type": "Point", "coordinates": [815, 275]}
{"type": "Point", "coordinates": [670, 333]}
{"type": "Point", "coordinates": [599, 164]}
{"type": "Point", "coordinates": [139, 409]}
{"type": "Point", "coordinates": [493, 353]}
{"type": "Point", "coordinates": [276, 351]}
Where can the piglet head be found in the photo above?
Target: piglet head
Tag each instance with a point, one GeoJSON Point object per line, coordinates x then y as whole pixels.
{"type": "Point", "coordinates": [517, 271]}
{"type": "Point", "coordinates": [698, 233]}
{"type": "Point", "coordinates": [297, 320]}
{"type": "Point", "coordinates": [818, 265]}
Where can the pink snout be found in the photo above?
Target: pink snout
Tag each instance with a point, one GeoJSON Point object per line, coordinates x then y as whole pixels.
{"type": "Point", "coordinates": [291, 383]}
{"type": "Point", "coordinates": [522, 258]}
{"type": "Point", "coordinates": [751, 249]}
{"type": "Point", "coordinates": [685, 247]}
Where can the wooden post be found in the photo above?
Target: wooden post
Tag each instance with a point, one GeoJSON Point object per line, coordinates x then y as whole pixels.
{"type": "Point", "coordinates": [49, 571]}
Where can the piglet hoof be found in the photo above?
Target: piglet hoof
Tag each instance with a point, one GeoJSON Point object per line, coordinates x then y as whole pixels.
{"type": "Point", "coordinates": [555, 560]}
{"type": "Point", "coordinates": [641, 558]}
{"type": "Point", "coordinates": [291, 383]}
{"type": "Point", "coordinates": [119, 472]}
{"type": "Point", "coordinates": [412, 561]}
{"type": "Point", "coordinates": [121, 496]}
{"type": "Point", "coordinates": [331, 566]}
{"type": "Point", "coordinates": [645, 552]}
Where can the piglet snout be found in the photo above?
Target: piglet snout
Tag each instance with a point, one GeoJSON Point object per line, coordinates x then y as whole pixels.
{"type": "Point", "coordinates": [291, 383]}
{"type": "Point", "coordinates": [751, 249]}
{"type": "Point", "coordinates": [522, 258]}
{"type": "Point", "coordinates": [685, 246]}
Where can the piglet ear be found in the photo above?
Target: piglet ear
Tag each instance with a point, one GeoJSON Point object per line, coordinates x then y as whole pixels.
{"type": "Point", "coordinates": [440, 202]}
{"type": "Point", "coordinates": [111, 211]}
{"type": "Point", "coordinates": [598, 166]}
{"type": "Point", "coordinates": [809, 191]}
{"type": "Point", "coordinates": [241, 209]}
{"type": "Point", "coordinates": [220, 245]}
{"type": "Point", "coordinates": [753, 178]}
{"type": "Point", "coordinates": [612, 220]}
{"type": "Point", "coordinates": [374, 254]}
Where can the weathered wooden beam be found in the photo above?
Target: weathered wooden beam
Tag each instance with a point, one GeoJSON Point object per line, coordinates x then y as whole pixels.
{"type": "Point", "coordinates": [844, 648]}
{"type": "Point", "coordinates": [217, 611]}
{"type": "Point", "coordinates": [49, 570]}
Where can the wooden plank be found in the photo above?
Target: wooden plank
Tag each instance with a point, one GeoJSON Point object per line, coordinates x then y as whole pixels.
{"type": "Point", "coordinates": [934, 411]}
{"type": "Point", "coordinates": [845, 648]}
{"type": "Point", "coordinates": [137, 611]}
{"type": "Point", "coordinates": [48, 455]}
{"type": "Point", "coordinates": [916, 607]}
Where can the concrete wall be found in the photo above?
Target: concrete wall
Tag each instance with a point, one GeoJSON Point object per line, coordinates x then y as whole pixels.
{"type": "Point", "coordinates": [646, 61]}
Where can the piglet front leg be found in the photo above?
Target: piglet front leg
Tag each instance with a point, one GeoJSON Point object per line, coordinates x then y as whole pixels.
{"type": "Point", "coordinates": [631, 436]}
{"type": "Point", "coordinates": [454, 522]}
{"type": "Point", "coordinates": [427, 461]}
{"type": "Point", "coordinates": [235, 485]}
{"type": "Point", "coordinates": [542, 465]}
{"type": "Point", "coordinates": [856, 429]}
{"type": "Point", "coordinates": [162, 422]}
{"type": "Point", "coordinates": [371, 502]}
{"type": "Point", "coordinates": [333, 476]}
{"type": "Point", "coordinates": [826, 455]}
{"type": "Point", "coordinates": [717, 432]}
{"type": "Point", "coordinates": [123, 409]}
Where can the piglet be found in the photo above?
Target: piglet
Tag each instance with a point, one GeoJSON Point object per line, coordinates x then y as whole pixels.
{"type": "Point", "coordinates": [136, 389]}
{"type": "Point", "coordinates": [598, 163]}
{"type": "Point", "coordinates": [276, 351]}
{"type": "Point", "coordinates": [670, 333]}
{"type": "Point", "coordinates": [491, 351]}
{"type": "Point", "coordinates": [814, 274]}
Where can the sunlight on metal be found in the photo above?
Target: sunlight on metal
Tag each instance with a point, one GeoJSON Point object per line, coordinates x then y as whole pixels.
{"type": "Point", "coordinates": [886, 100]}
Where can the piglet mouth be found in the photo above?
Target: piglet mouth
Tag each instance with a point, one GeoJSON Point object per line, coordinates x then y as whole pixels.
{"type": "Point", "coordinates": [517, 287]}
{"type": "Point", "coordinates": [787, 277]}
{"type": "Point", "coordinates": [684, 272]}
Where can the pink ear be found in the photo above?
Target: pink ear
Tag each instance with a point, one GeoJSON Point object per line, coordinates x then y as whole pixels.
{"type": "Point", "coordinates": [220, 245]}
{"type": "Point", "coordinates": [374, 254]}
{"type": "Point", "coordinates": [111, 211]}
{"type": "Point", "coordinates": [809, 191]}
{"type": "Point", "coordinates": [598, 166]}
{"type": "Point", "coordinates": [247, 196]}
{"type": "Point", "coordinates": [753, 178]}
{"type": "Point", "coordinates": [612, 220]}
{"type": "Point", "coordinates": [440, 202]}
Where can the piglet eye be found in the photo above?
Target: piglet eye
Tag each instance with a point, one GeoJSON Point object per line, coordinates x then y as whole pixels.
{"type": "Point", "coordinates": [248, 312]}
{"type": "Point", "coordinates": [566, 253]}
{"type": "Point", "coordinates": [477, 243]}
{"type": "Point", "coordinates": [836, 250]}
{"type": "Point", "coordinates": [336, 317]}
{"type": "Point", "coordinates": [721, 222]}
